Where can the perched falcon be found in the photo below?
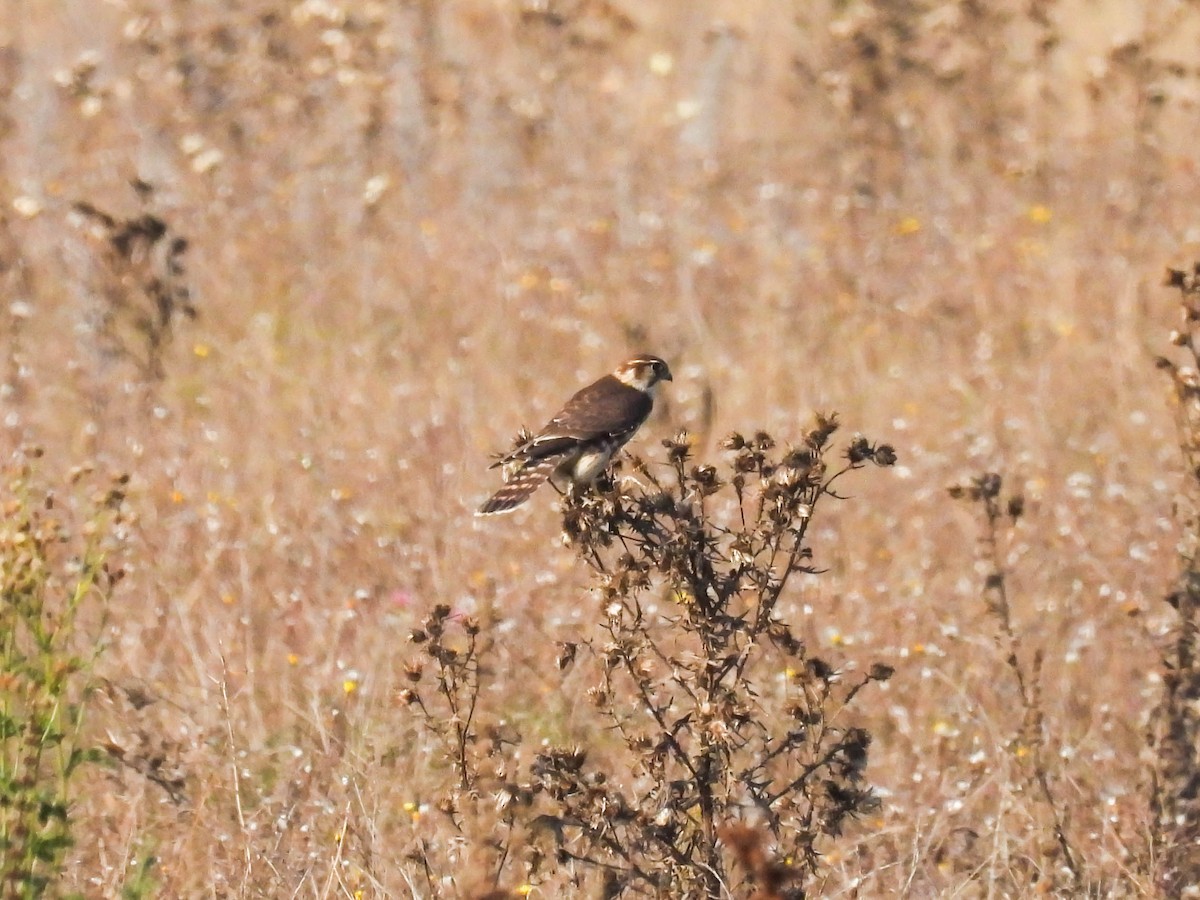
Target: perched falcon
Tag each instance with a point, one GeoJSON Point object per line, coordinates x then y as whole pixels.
{"type": "Point", "coordinates": [576, 445]}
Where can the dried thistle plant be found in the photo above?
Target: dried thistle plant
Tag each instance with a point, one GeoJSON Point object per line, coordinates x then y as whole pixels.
{"type": "Point", "coordinates": [696, 667]}
{"type": "Point", "coordinates": [456, 675]}
{"type": "Point", "coordinates": [1174, 731]}
{"type": "Point", "coordinates": [443, 687]}
{"type": "Point", "coordinates": [987, 491]}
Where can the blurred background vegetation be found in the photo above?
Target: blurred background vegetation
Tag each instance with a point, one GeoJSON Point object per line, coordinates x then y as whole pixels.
{"type": "Point", "coordinates": [299, 267]}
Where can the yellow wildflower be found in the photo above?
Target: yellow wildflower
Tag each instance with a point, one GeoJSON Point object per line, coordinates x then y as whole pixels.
{"type": "Point", "coordinates": [1040, 214]}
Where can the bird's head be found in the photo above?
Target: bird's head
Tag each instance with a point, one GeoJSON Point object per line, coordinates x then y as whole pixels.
{"type": "Point", "coordinates": [643, 372]}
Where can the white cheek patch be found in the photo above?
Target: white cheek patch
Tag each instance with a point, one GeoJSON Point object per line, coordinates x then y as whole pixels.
{"type": "Point", "coordinates": [637, 378]}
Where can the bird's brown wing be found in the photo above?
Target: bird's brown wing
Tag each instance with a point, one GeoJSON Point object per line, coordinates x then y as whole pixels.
{"type": "Point", "coordinates": [605, 409]}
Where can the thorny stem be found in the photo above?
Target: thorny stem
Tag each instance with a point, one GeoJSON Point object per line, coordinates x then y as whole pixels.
{"type": "Point", "coordinates": [464, 728]}
{"type": "Point", "coordinates": [601, 864]}
{"type": "Point", "coordinates": [650, 707]}
{"type": "Point", "coordinates": [805, 774]}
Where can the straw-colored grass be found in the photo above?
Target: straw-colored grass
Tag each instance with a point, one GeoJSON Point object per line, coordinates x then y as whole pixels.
{"type": "Point", "coordinates": [415, 226]}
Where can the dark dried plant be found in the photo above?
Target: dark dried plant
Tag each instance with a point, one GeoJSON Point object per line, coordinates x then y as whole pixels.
{"type": "Point", "coordinates": [1174, 732]}
{"type": "Point", "coordinates": [141, 285]}
{"type": "Point", "coordinates": [456, 666]}
{"type": "Point", "coordinates": [696, 669]}
{"type": "Point", "coordinates": [1031, 743]}
{"type": "Point", "coordinates": [443, 686]}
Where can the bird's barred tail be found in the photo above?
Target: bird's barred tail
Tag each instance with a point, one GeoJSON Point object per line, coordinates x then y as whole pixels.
{"type": "Point", "coordinates": [524, 482]}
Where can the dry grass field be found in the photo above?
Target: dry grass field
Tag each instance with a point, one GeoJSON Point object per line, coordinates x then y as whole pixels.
{"type": "Point", "coordinates": [408, 227]}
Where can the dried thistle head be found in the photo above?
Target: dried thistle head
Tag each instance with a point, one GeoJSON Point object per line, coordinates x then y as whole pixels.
{"type": "Point", "coordinates": [823, 428]}
{"type": "Point", "coordinates": [679, 448]}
